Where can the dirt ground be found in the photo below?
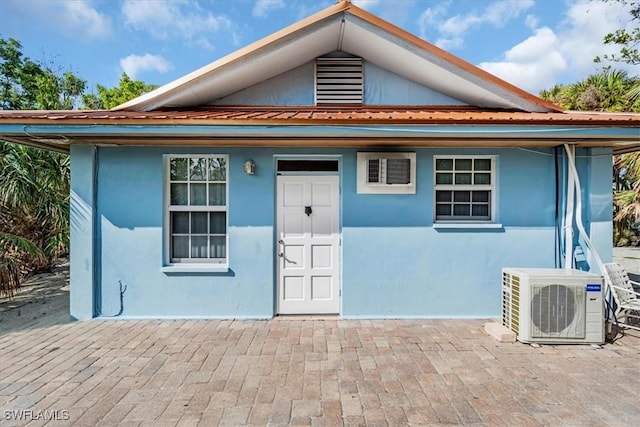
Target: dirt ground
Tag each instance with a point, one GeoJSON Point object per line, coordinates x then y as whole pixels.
{"type": "Point", "coordinates": [44, 299]}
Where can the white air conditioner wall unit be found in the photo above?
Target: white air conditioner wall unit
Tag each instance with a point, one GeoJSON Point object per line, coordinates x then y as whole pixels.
{"type": "Point", "coordinates": [553, 306]}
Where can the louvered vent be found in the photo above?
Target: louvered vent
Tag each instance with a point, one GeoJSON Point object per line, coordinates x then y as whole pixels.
{"type": "Point", "coordinates": [338, 81]}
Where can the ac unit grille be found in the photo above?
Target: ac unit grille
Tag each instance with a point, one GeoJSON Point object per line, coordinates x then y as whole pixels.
{"type": "Point", "coordinates": [339, 81]}
{"type": "Point", "coordinates": [511, 302]}
{"type": "Point", "coordinates": [557, 311]}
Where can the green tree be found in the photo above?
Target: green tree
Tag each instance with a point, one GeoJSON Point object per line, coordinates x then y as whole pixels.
{"type": "Point", "coordinates": [608, 90]}
{"type": "Point", "coordinates": [627, 40]}
{"type": "Point", "coordinates": [109, 98]}
{"type": "Point", "coordinates": [34, 184]}
{"type": "Point", "coordinates": [27, 85]}
{"type": "Point", "coordinates": [34, 211]}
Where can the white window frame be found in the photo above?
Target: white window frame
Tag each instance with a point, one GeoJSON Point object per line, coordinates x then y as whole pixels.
{"type": "Point", "coordinates": [466, 187]}
{"type": "Point", "coordinates": [173, 264]}
{"type": "Point", "coordinates": [365, 187]}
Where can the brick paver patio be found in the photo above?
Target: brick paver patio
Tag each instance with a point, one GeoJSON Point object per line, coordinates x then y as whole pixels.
{"type": "Point", "coordinates": [318, 372]}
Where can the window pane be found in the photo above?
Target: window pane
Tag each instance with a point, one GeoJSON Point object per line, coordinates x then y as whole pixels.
{"type": "Point", "coordinates": [217, 194]}
{"type": "Point", "coordinates": [480, 210]}
{"type": "Point", "coordinates": [199, 222]}
{"type": "Point", "coordinates": [463, 164]}
{"type": "Point", "coordinates": [198, 194]}
{"type": "Point", "coordinates": [218, 247]}
{"type": "Point", "coordinates": [180, 222]}
{"type": "Point", "coordinates": [179, 194]}
{"type": "Point", "coordinates": [461, 210]}
{"type": "Point", "coordinates": [398, 171]}
{"type": "Point", "coordinates": [373, 171]}
{"type": "Point", "coordinates": [443, 196]}
{"type": "Point", "coordinates": [482, 164]}
{"type": "Point", "coordinates": [461, 196]}
{"type": "Point", "coordinates": [198, 169]}
{"type": "Point", "coordinates": [180, 247]}
{"type": "Point", "coordinates": [480, 196]}
{"type": "Point", "coordinates": [482, 178]}
{"type": "Point", "coordinates": [178, 169]}
{"type": "Point", "coordinates": [444, 164]}
{"type": "Point", "coordinates": [218, 223]}
{"type": "Point", "coordinates": [463, 178]}
{"type": "Point", "coordinates": [199, 247]}
{"type": "Point", "coordinates": [444, 178]}
{"type": "Point", "coordinates": [217, 169]}
{"type": "Point", "coordinates": [443, 210]}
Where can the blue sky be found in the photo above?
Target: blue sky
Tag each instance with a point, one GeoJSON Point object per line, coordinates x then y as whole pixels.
{"type": "Point", "coordinates": [530, 43]}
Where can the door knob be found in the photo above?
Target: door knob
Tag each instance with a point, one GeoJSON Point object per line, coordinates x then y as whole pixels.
{"type": "Point", "coordinates": [308, 210]}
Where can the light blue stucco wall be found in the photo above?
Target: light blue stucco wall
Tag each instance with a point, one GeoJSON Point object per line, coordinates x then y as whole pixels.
{"type": "Point", "coordinates": [296, 87]}
{"type": "Point", "coordinates": [82, 244]}
{"type": "Point", "coordinates": [394, 262]}
{"type": "Point", "coordinates": [382, 87]}
{"type": "Point", "coordinates": [130, 208]}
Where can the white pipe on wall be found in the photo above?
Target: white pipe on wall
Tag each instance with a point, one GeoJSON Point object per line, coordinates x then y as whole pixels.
{"type": "Point", "coordinates": [568, 219]}
{"type": "Point", "coordinates": [578, 198]}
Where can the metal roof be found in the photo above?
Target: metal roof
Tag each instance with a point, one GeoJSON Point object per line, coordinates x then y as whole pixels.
{"type": "Point", "coordinates": [323, 126]}
{"type": "Point", "coordinates": [325, 115]}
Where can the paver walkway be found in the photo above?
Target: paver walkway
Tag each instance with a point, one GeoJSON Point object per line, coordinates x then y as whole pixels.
{"type": "Point", "coordinates": [309, 372]}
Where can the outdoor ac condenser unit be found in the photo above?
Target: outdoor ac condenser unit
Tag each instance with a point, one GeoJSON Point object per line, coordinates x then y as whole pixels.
{"type": "Point", "coordinates": [553, 306]}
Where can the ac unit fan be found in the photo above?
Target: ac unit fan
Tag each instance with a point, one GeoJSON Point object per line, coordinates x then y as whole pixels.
{"type": "Point", "coordinates": [553, 306]}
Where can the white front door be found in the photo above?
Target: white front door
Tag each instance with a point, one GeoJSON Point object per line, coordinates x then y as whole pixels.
{"type": "Point", "coordinates": [308, 244]}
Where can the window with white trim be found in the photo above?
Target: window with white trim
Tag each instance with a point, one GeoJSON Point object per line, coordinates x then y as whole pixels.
{"type": "Point", "coordinates": [464, 188]}
{"type": "Point", "coordinates": [386, 173]}
{"type": "Point", "coordinates": [196, 193]}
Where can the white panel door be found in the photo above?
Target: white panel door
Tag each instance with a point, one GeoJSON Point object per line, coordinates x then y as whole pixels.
{"type": "Point", "coordinates": [308, 244]}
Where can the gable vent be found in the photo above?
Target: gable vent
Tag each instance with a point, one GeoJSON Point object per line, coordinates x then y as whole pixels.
{"type": "Point", "coordinates": [338, 81]}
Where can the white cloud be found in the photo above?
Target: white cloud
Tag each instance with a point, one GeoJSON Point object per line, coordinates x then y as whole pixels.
{"type": "Point", "coordinates": [583, 30]}
{"type": "Point", "coordinates": [565, 54]}
{"type": "Point", "coordinates": [263, 7]}
{"type": "Point", "coordinates": [531, 21]}
{"type": "Point", "coordinates": [81, 16]}
{"type": "Point", "coordinates": [366, 4]}
{"type": "Point", "coordinates": [451, 30]}
{"type": "Point", "coordinates": [449, 44]}
{"type": "Point", "coordinates": [532, 64]}
{"type": "Point", "coordinates": [431, 18]}
{"type": "Point", "coordinates": [133, 65]}
{"type": "Point", "coordinates": [176, 19]}
{"type": "Point", "coordinates": [78, 19]}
